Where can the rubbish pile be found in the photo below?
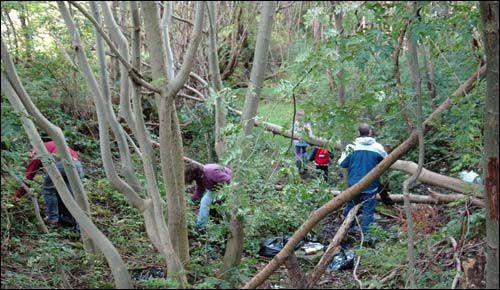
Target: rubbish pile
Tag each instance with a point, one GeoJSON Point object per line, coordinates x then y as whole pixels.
{"type": "Point", "coordinates": [343, 260]}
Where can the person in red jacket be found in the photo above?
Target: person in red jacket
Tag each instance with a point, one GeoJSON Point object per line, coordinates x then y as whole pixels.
{"type": "Point", "coordinates": [57, 213]}
{"type": "Point", "coordinates": [208, 178]}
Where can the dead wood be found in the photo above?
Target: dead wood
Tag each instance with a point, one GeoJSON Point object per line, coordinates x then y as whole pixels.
{"type": "Point", "coordinates": [434, 198]}
{"type": "Point", "coordinates": [332, 249]}
{"type": "Point", "coordinates": [296, 276]}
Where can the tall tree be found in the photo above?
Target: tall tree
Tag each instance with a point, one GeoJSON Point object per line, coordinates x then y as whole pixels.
{"type": "Point", "coordinates": [173, 247]}
{"type": "Point", "coordinates": [171, 151]}
{"type": "Point", "coordinates": [489, 14]}
{"type": "Point", "coordinates": [409, 183]}
{"type": "Point", "coordinates": [213, 61]}
{"type": "Point", "coordinates": [259, 66]}
{"type": "Point", "coordinates": [234, 246]}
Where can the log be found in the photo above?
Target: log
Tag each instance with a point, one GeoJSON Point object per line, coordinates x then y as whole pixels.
{"type": "Point", "coordinates": [434, 198]}
{"type": "Point", "coordinates": [436, 179]}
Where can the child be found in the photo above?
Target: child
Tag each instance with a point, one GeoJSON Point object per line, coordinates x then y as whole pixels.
{"type": "Point", "coordinates": [321, 157]}
{"type": "Point", "coordinates": [301, 146]}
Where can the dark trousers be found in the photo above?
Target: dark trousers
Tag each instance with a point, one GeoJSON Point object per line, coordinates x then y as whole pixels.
{"type": "Point", "coordinates": [56, 210]}
{"type": "Point", "coordinates": [322, 170]}
{"type": "Point", "coordinates": [368, 208]}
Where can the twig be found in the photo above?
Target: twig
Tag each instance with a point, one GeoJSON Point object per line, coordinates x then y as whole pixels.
{"type": "Point", "coordinates": [431, 260]}
{"type": "Point", "coordinates": [391, 275]}
{"type": "Point", "coordinates": [457, 261]}
{"type": "Point", "coordinates": [354, 273]}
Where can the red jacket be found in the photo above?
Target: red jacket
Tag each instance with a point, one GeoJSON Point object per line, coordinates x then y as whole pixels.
{"type": "Point", "coordinates": [35, 164]}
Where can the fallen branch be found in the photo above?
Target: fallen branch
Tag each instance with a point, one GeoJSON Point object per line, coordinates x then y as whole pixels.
{"type": "Point", "coordinates": [435, 198]}
{"type": "Point", "coordinates": [457, 262]}
{"type": "Point", "coordinates": [416, 198]}
{"type": "Point", "coordinates": [447, 198]}
{"type": "Point", "coordinates": [332, 249]}
{"type": "Point", "coordinates": [433, 178]}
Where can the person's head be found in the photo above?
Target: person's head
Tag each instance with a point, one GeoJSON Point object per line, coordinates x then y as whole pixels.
{"type": "Point", "coordinates": [364, 130]}
{"type": "Point", "coordinates": [192, 172]}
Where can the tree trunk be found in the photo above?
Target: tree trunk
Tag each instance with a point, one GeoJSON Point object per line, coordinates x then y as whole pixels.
{"type": "Point", "coordinates": [489, 13]}
{"type": "Point", "coordinates": [127, 168]}
{"type": "Point", "coordinates": [213, 61]}
{"type": "Point", "coordinates": [166, 21]}
{"type": "Point", "coordinates": [259, 66]}
{"type": "Point", "coordinates": [340, 79]}
{"type": "Point", "coordinates": [410, 182]}
{"type": "Point", "coordinates": [431, 83]}
{"type": "Point", "coordinates": [171, 151]}
{"type": "Point", "coordinates": [177, 228]}
{"type": "Point", "coordinates": [125, 107]}
{"type": "Point", "coordinates": [235, 241]}
{"type": "Point", "coordinates": [397, 74]}
{"type": "Point", "coordinates": [26, 32]}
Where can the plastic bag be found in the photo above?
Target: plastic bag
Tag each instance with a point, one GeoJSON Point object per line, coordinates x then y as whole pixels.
{"type": "Point", "coordinates": [343, 260]}
{"type": "Point", "coordinates": [313, 248]}
{"type": "Point", "coordinates": [471, 176]}
{"type": "Point", "coordinates": [270, 247]}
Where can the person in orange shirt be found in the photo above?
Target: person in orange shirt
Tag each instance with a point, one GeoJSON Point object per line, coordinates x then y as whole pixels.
{"type": "Point", "coordinates": [57, 213]}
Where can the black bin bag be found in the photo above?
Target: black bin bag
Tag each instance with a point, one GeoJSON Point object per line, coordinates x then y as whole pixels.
{"type": "Point", "coordinates": [270, 247]}
{"type": "Point", "coordinates": [343, 260]}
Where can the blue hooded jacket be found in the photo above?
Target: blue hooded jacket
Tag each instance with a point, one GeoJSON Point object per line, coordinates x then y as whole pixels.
{"type": "Point", "coordinates": [360, 158]}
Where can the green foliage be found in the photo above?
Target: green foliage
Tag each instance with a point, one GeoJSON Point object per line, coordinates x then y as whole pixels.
{"type": "Point", "coordinates": [158, 283]}
{"type": "Point", "coordinates": [266, 190]}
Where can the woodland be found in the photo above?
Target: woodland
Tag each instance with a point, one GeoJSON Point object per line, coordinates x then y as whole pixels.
{"type": "Point", "coordinates": [141, 89]}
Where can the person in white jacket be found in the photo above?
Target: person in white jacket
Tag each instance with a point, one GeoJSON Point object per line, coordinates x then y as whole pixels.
{"type": "Point", "coordinates": [360, 158]}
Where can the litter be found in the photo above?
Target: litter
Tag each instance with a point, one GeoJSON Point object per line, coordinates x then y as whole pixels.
{"type": "Point", "coordinates": [313, 248]}
{"type": "Point", "coordinates": [471, 176]}
{"type": "Point", "coordinates": [343, 260]}
{"type": "Point", "coordinates": [270, 247]}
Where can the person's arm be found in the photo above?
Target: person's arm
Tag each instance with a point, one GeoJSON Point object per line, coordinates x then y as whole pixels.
{"type": "Point", "coordinates": [344, 161]}
{"type": "Point", "coordinates": [33, 166]}
{"type": "Point", "coordinates": [345, 157]}
{"type": "Point", "coordinates": [198, 191]}
{"type": "Point", "coordinates": [313, 153]}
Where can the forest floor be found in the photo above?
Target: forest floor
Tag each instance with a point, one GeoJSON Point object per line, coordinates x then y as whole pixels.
{"type": "Point", "coordinates": [436, 263]}
{"type": "Point", "coordinates": [30, 259]}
